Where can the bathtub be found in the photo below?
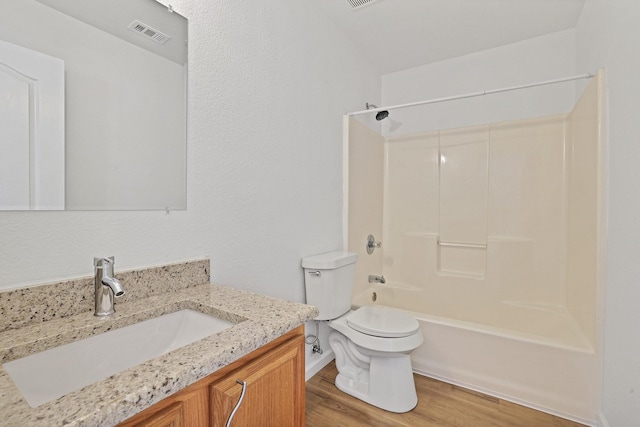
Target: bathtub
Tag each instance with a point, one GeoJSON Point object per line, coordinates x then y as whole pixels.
{"type": "Point", "coordinates": [540, 361]}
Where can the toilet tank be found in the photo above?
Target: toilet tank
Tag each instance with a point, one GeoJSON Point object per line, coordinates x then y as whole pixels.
{"type": "Point", "coordinates": [328, 280]}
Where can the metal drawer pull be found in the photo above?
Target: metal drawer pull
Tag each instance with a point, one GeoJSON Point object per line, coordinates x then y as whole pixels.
{"type": "Point", "coordinates": [244, 389]}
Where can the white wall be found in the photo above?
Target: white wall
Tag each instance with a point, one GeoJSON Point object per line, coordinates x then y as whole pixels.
{"type": "Point", "coordinates": [269, 83]}
{"type": "Point", "coordinates": [608, 35]}
{"type": "Point", "coordinates": [538, 59]}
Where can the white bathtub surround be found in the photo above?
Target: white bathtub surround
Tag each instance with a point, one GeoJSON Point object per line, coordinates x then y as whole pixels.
{"type": "Point", "coordinates": [547, 378]}
{"type": "Point", "coordinates": [553, 379]}
{"type": "Point", "coordinates": [492, 233]}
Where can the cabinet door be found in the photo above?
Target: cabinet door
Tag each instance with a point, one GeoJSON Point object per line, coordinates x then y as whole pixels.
{"type": "Point", "coordinates": [274, 393]}
{"type": "Point", "coordinates": [173, 416]}
{"type": "Point", "coordinates": [188, 408]}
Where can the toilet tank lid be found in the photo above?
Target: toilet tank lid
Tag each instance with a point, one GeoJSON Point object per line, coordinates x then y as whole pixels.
{"type": "Point", "coordinates": [329, 260]}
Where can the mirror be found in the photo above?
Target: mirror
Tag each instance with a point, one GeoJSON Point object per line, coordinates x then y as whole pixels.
{"type": "Point", "coordinates": [97, 111]}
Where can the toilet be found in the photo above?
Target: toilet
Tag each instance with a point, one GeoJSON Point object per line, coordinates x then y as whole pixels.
{"type": "Point", "coordinates": [371, 344]}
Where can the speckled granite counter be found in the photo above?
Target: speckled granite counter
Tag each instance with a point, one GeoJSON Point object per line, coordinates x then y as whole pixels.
{"type": "Point", "coordinates": [259, 319]}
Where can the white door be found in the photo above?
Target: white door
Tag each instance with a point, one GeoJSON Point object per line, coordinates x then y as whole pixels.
{"type": "Point", "coordinates": [31, 129]}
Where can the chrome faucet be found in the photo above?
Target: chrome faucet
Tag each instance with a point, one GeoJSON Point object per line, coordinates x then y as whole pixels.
{"type": "Point", "coordinates": [376, 279]}
{"type": "Point", "coordinates": [107, 286]}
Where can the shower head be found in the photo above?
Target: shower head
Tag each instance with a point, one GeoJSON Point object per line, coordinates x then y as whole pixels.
{"type": "Point", "coordinates": [381, 115]}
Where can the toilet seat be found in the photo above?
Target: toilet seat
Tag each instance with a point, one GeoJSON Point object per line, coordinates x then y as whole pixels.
{"type": "Point", "coordinates": [389, 345]}
{"type": "Point", "coordinates": [385, 322]}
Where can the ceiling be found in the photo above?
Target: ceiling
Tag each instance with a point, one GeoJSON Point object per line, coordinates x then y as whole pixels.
{"type": "Point", "coordinates": [399, 34]}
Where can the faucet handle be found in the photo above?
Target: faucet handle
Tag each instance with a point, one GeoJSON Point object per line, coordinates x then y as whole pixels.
{"type": "Point", "coordinates": [372, 244]}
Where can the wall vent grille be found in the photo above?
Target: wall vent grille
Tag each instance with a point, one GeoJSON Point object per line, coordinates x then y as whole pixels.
{"type": "Point", "coordinates": [146, 30]}
{"type": "Point", "coordinates": [357, 4]}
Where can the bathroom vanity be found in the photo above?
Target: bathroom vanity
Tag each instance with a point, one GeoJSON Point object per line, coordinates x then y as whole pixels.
{"type": "Point", "coordinates": [192, 385]}
{"type": "Point", "coordinates": [274, 392]}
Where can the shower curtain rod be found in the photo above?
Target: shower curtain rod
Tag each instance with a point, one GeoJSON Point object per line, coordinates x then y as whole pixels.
{"type": "Point", "coordinates": [472, 95]}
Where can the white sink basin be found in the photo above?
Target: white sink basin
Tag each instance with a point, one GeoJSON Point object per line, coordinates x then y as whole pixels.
{"type": "Point", "coordinates": [45, 376]}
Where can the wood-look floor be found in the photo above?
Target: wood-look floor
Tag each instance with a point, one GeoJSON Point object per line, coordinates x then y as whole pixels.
{"type": "Point", "coordinates": [439, 405]}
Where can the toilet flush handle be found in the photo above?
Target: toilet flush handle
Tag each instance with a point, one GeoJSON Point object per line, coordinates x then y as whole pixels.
{"type": "Point", "coordinates": [315, 273]}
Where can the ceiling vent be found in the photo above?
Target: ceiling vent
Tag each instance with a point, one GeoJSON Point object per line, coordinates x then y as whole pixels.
{"type": "Point", "coordinates": [148, 31]}
{"type": "Point", "coordinates": [357, 4]}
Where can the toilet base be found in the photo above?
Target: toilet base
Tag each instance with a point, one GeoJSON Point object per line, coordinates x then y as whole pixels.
{"type": "Point", "coordinates": [381, 381]}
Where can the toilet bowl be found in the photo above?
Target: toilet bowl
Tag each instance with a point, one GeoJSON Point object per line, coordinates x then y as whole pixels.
{"type": "Point", "coordinates": [371, 344]}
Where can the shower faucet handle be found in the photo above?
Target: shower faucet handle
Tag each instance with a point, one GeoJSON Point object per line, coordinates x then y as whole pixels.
{"type": "Point", "coordinates": [372, 244]}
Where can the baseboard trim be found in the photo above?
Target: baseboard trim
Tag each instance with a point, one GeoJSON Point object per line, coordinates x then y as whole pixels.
{"type": "Point", "coordinates": [602, 420]}
{"type": "Point", "coordinates": [313, 367]}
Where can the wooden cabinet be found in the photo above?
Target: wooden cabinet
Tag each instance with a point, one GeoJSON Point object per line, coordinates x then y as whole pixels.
{"type": "Point", "coordinates": [274, 395]}
{"type": "Point", "coordinates": [173, 416]}
{"type": "Point", "coordinates": [188, 408]}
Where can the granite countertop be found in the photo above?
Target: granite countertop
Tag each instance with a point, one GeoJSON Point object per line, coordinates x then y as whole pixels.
{"type": "Point", "coordinates": [259, 319]}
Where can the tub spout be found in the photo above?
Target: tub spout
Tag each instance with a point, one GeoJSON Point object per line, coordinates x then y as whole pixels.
{"type": "Point", "coordinates": [106, 286]}
{"type": "Point", "coordinates": [376, 279]}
